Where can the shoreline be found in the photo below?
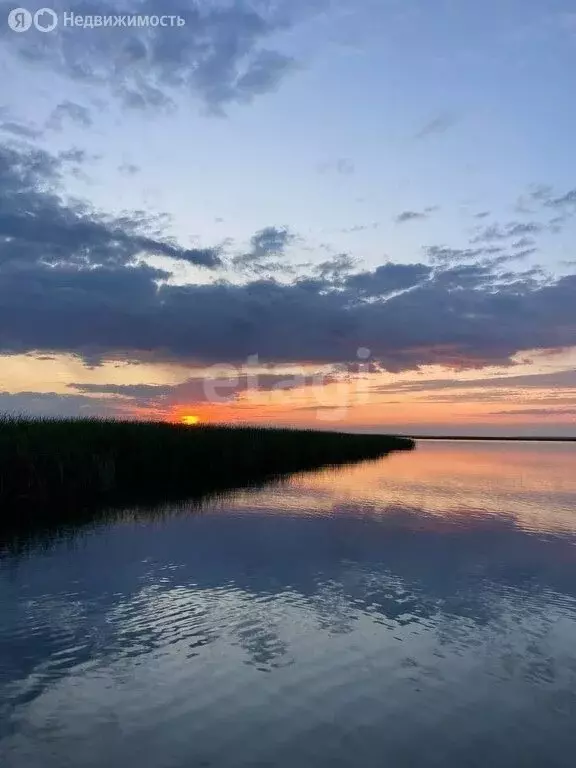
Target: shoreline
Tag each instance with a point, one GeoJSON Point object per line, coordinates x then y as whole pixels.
{"type": "Point", "coordinates": [493, 439]}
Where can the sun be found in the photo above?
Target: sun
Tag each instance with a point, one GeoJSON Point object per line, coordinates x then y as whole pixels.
{"type": "Point", "coordinates": [190, 420]}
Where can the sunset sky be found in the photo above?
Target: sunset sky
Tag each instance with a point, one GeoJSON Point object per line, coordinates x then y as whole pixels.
{"type": "Point", "coordinates": [340, 214]}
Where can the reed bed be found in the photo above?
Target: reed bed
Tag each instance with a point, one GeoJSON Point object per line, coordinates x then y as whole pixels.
{"type": "Point", "coordinates": [53, 464]}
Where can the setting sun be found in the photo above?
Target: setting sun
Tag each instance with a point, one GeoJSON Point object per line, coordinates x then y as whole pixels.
{"type": "Point", "coordinates": [190, 421]}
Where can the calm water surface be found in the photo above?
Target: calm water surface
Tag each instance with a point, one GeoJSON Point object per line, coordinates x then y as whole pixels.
{"type": "Point", "coordinates": [415, 611]}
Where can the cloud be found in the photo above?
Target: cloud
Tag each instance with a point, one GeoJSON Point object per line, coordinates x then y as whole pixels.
{"type": "Point", "coordinates": [129, 169]}
{"type": "Point", "coordinates": [520, 229]}
{"type": "Point", "coordinates": [76, 156]}
{"type": "Point", "coordinates": [410, 216]}
{"type": "Point", "coordinates": [544, 196]}
{"type": "Point", "coordinates": [556, 380]}
{"type": "Point", "coordinates": [342, 165]}
{"type": "Point", "coordinates": [69, 111]}
{"type": "Point", "coordinates": [536, 412]}
{"type": "Point", "coordinates": [334, 408]}
{"type": "Point", "coordinates": [20, 129]}
{"type": "Point", "coordinates": [444, 256]}
{"type": "Point", "coordinates": [463, 320]}
{"type": "Point", "coordinates": [541, 192]}
{"type": "Point", "coordinates": [70, 281]}
{"type": "Point", "coordinates": [523, 254]}
{"type": "Point", "coordinates": [524, 242]}
{"type": "Point", "coordinates": [51, 404]}
{"type": "Point", "coordinates": [564, 201]}
{"type": "Point", "coordinates": [38, 226]}
{"type": "Point", "coordinates": [496, 232]}
{"type": "Point", "coordinates": [439, 124]}
{"type": "Point", "coordinates": [335, 269]}
{"type": "Point", "coordinates": [267, 250]}
{"type": "Point", "coordinates": [209, 387]}
{"type": "Point", "coordinates": [521, 236]}
{"type": "Point", "coordinates": [387, 279]}
{"type": "Point", "coordinates": [221, 55]}
{"type": "Point", "coordinates": [360, 228]}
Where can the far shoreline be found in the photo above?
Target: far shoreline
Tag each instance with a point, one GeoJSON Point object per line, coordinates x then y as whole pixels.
{"type": "Point", "coordinates": [493, 439]}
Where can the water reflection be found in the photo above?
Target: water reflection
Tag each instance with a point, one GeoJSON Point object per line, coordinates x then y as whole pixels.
{"type": "Point", "coordinates": [533, 484]}
{"type": "Point", "coordinates": [419, 610]}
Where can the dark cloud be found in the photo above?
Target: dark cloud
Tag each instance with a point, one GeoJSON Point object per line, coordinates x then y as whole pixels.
{"type": "Point", "coordinates": [69, 282]}
{"type": "Point", "coordinates": [388, 279]}
{"type": "Point", "coordinates": [222, 54]}
{"type": "Point", "coordinates": [267, 251]}
{"type": "Point", "coordinates": [38, 226]}
{"type": "Point", "coordinates": [69, 111]}
{"type": "Point", "coordinates": [455, 317]}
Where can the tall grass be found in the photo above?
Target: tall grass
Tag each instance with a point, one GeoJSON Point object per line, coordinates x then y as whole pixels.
{"type": "Point", "coordinates": [48, 464]}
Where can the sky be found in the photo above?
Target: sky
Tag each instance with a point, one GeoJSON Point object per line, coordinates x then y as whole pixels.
{"type": "Point", "coordinates": [337, 214]}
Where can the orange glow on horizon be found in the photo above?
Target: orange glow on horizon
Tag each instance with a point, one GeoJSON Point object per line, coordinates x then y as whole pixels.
{"type": "Point", "coordinates": [436, 401]}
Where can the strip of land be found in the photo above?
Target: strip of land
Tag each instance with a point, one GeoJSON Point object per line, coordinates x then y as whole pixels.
{"type": "Point", "coordinates": [51, 465]}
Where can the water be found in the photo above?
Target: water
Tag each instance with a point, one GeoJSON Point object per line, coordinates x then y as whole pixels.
{"type": "Point", "coordinates": [416, 611]}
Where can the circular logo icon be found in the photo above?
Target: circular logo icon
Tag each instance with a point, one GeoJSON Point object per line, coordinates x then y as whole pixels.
{"type": "Point", "coordinates": [45, 20]}
{"type": "Point", "coordinates": [363, 353]}
{"type": "Point", "coordinates": [19, 20]}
